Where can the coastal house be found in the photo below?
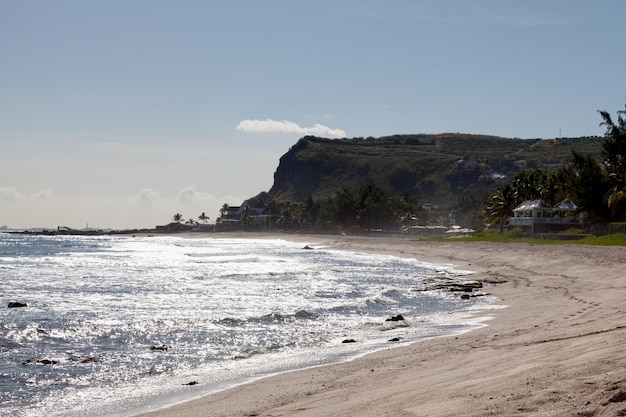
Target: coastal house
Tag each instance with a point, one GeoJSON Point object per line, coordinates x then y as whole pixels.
{"type": "Point", "coordinates": [255, 216]}
{"type": "Point", "coordinates": [536, 216]}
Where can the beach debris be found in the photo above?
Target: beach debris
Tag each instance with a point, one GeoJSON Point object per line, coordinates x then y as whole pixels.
{"type": "Point", "coordinates": [348, 341]}
{"type": "Point", "coordinates": [16, 304]}
{"type": "Point", "coordinates": [399, 317]}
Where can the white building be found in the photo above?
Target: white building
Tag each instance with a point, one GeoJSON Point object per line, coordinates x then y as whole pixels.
{"type": "Point", "coordinates": [539, 217]}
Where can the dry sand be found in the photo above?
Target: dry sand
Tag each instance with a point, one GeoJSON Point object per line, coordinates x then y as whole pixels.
{"type": "Point", "coordinates": [558, 349]}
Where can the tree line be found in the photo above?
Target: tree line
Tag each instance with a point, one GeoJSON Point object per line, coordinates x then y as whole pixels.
{"type": "Point", "coordinates": [366, 206]}
{"type": "Point", "coordinates": [598, 187]}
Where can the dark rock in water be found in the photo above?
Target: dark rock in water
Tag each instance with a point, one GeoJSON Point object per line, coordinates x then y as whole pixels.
{"type": "Point", "coordinates": [307, 247]}
{"type": "Point", "coordinates": [450, 285]}
{"type": "Point", "coordinates": [395, 339]}
{"type": "Point", "coordinates": [465, 297]}
{"type": "Point", "coordinates": [159, 347]}
{"type": "Point", "coordinates": [16, 304]}
{"type": "Point", "coordinates": [191, 383]}
{"type": "Point", "coordinates": [468, 286]}
{"type": "Point", "coordinates": [396, 318]}
{"type": "Point", "coordinates": [42, 361]}
{"type": "Point", "coordinates": [86, 360]}
{"type": "Point", "coordinates": [348, 341]}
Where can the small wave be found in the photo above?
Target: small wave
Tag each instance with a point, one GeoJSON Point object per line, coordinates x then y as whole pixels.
{"type": "Point", "coordinates": [272, 318]}
{"type": "Point", "coordinates": [304, 314]}
{"type": "Point", "coordinates": [231, 322]}
{"type": "Point", "coordinates": [229, 259]}
{"type": "Point", "coordinates": [250, 351]}
{"type": "Point", "coordinates": [392, 325]}
{"type": "Point", "coordinates": [392, 292]}
{"type": "Point", "coordinates": [380, 300]}
{"type": "Point", "coordinates": [7, 344]}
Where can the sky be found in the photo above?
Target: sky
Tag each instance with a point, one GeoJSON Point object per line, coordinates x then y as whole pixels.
{"type": "Point", "coordinates": [120, 114]}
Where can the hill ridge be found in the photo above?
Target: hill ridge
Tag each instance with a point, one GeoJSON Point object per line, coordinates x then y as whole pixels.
{"type": "Point", "coordinates": [435, 168]}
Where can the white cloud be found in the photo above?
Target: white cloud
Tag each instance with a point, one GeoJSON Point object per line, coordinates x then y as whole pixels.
{"type": "Point", "coordinates": [284, 126]}
{"type": "Point", "coordinates": [190, 195]}
{"type": "Point", "coordinates": [43, 195]}
{"type": "Point", "coordinates": [9, 195]}
{"type": "Point", "coordinates": [146, 198]}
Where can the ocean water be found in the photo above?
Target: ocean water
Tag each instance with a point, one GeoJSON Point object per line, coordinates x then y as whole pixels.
{"type": "Point", "coordinates": [119, 325]}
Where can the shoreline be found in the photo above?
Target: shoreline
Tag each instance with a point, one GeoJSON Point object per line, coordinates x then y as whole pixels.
{"type": "Point", "coordinates": [555, 351]}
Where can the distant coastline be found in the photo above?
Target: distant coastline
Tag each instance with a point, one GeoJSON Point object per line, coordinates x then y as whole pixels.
{"type": "Point", "coordinates": [76, 232]}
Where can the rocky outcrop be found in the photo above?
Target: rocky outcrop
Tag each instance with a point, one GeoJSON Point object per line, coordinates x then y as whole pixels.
{"type": "Point", "coordinates": [468, 289]}
{"type": "Point", "coordinates": [399, 317]}
{"type": "Point", "coordinates": [160, 347]}
{"type": "Point", "coordinates": [16, 304]}
{"type": "Point", "coordinates": [40, 361]}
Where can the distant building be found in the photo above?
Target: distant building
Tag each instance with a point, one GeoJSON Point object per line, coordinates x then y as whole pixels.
{"type": "Point", "coordinates": [430, 207]}
{"type": "Point", "coordinates": [256, 216]}
{"type": "Point", "coordinates": [553, 166]}
{"type": "Point", "coordinates": [497, 177]}
{"type": "Point", "coordinates": [538, 217]}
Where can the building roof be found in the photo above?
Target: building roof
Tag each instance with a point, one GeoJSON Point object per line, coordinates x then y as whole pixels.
{"type": "Point", "coordinates": [532, 205]}
{"type": "Point", "coordinates": [566, 205]}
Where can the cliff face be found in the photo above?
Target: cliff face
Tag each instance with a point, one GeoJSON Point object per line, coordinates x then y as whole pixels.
{"type": "Point", "coordinates": [432, 168]}
{"type": "Point", "coordinates": [296, 177]}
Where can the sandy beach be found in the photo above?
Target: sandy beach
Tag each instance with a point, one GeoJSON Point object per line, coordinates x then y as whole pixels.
{"type": "Point", "coordinates": [557, 349]}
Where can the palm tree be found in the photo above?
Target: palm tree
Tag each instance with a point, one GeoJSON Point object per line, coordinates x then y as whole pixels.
{"type": "Point", "coordinates": [245, 218]}
{"type": "Point", "coordinates": [224, 210]}
{"type": "Point", "coordinates": [616, 200]}
{"type": "Point", "coordinates": [614, 153]}
{"type": "Point", "coordinates": [500, 206]}
{"type": "Point", "coordinates": [203, 218]}
{"type": "Point", "coordinates": [177, 217]}
{"type": "Point", "coordinates": [587, 184]}
{"type": "Point", "coordinates": [614, 147]}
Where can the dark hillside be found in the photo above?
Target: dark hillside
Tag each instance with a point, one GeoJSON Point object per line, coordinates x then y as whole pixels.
{"type": "Point", "coordinates": [436, 169]}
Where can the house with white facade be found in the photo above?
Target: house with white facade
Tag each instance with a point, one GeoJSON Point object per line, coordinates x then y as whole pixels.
{"type": "Point", "coordinates": [537, 216]}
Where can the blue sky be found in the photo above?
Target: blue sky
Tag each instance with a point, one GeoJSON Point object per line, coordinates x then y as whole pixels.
{"type": "Point", "coordinates": [123, 113]}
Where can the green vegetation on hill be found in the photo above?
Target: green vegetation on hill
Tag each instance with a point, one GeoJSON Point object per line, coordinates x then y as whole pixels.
{"type": "Point", "coordinates": [455, 173]}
